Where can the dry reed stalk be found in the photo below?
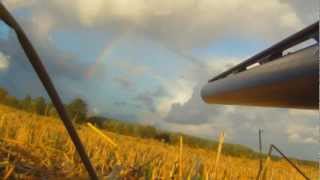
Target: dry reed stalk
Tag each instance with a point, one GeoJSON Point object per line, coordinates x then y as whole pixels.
{"type": "Point", "coordinates": [221, 140]}
{"type": "Point", "coordinates": [153, 174]}
{"type": "Point", "coordinates": [263, 173]}
{"type": "Point", "coordinates": [109, 140]}
{"type": "Point", "coordinates": [102, 135]}
{"type": "Point", "coordinates": [8, 173]}
{"type": "Point", "coordinates": [12, 141]}
{"type": "Point", "coordinates": [205, 173]}
{"type": "Point", "coordinates": [172, 171]}
{"type": "Point", "coordinates": [180, 158]}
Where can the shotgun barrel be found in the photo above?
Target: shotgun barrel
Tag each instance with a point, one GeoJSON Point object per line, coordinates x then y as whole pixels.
{"type": "Point", "coordinates": [289, 81]}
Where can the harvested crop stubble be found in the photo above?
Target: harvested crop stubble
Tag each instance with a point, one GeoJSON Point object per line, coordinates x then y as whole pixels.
{"type": "Point", "coordinates": [33, 146]}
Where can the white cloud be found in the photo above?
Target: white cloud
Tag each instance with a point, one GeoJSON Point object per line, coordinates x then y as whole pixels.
{"type": "Point", "coordinates": [301, 133]}
{"type": "Point", "coordinates": [130, 69]}
{"type": "Point", "coordinates": [4, 62]}
{"type": "Point", "coordinates": [184, 23]}
{"type": "Point", "coordinates": [179, 92]}
{"type": "Point", "coordinates": [181, 89]}
{"type": "Point", "coordinates": [42, 25]}
{"type": "Point", "coordinates": [15, 4]}
{"type": "Point", "coordinates": [220, 64]}
{"type": "Point", "coordinates": [290, 20]}
{"type": "Point", "coordinates": [303, 113]}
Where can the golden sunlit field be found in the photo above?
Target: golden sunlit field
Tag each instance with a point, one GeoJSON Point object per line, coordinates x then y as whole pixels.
{"type": "Point", "coordinates": [35, 147]}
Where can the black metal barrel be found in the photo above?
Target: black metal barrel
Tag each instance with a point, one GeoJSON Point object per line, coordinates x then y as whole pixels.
{"type": "Point", "coordinates": [291, 81]}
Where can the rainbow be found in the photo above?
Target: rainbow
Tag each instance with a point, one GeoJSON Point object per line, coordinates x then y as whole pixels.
{"type": "Point", "coordinates": [107, 50]}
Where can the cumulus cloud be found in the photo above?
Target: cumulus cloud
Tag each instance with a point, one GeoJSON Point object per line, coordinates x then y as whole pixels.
{"type": "Point", "coordinates": [178, 91]}
{"type": "Point", "coordinates": [124, 82]}
{"type": "Point", "coordinates": [301, 133]}
{"type": "Point", "coordinates": [149, 99]}
{"type": "Point", "coordinates": [15, 4]}
{"type": "Point", "coordinates": [4, 62]}
{"type": "Point", "coordinates": [131, 69]}
{"type": "Point", "coordinates": [182, 23]}
{"type": "Point", "coordinates": [308, 12]}
{"type": "Point", "coordinates": [193, 111]}
{"type": "Point", "coordinates": [62, 66]}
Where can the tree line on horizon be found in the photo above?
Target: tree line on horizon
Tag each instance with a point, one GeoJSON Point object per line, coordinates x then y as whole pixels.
{"type": "Point", "coordinates": [77, 110]}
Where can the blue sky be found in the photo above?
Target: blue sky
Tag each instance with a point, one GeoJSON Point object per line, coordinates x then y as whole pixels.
{"type": "Point", "coordinates": [147, 63]}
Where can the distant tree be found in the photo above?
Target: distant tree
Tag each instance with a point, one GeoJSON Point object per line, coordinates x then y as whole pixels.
{"type": "Point", "coordinates": [97, 120]}
{"type": "Point", "coordinates": [163, 137]}
{"type": "Point", "coordinates": [39, 105]}
{"type": "Point", "coordinates": [47, 109]}
{"type": "Point", "coordinates": [3, 94]}
{"type": "Point", "coordinates": [147, 132]}
{"type": "Point", "coordinates": [51, 110]}
{"type": "Point", "coordinates": [12, 101]}
{"type": "Point", "coordinates": [26, 103]}
{"type": "Point", "coordinates": [77, 110]}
